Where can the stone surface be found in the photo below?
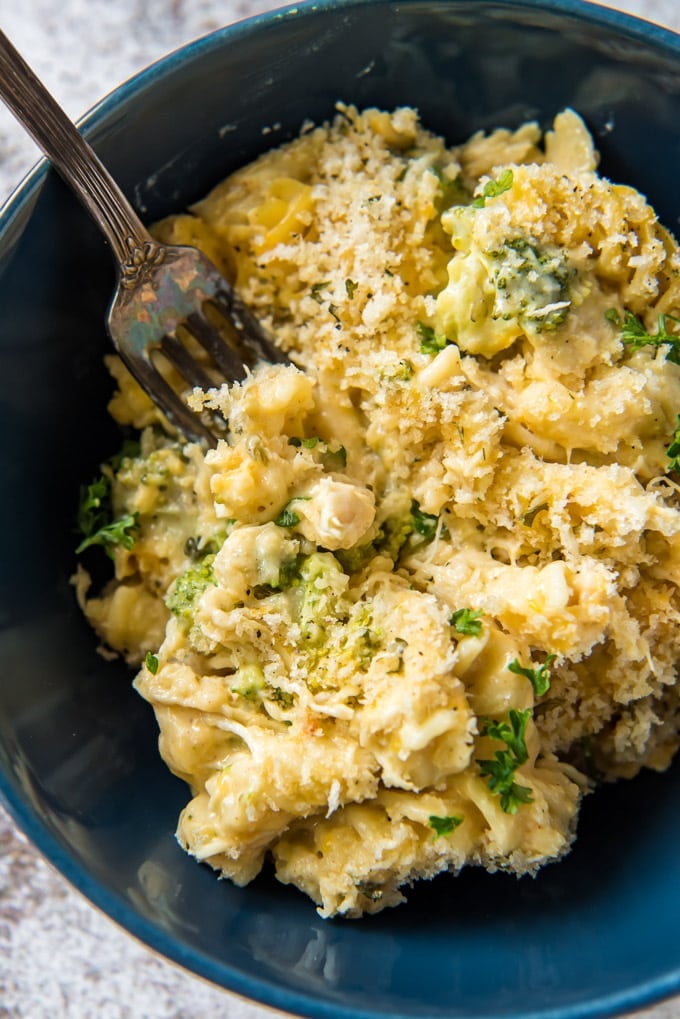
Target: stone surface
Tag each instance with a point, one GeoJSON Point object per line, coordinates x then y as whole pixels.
{"type": "Point", "coordinates": [59, 957]}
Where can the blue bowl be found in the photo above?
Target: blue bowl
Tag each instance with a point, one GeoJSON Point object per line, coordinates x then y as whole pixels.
{"type": "Point", "coordinates": [594, 935]}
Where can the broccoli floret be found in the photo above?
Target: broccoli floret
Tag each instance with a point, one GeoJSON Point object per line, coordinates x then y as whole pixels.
{"type": "Point", "coordinates": [249, 682]}
{"type": "Point", "coordinates": [532, 284]}
{"type": "Point", "coordinates": [322, 584]}
{"type": "Point", "coordinates": [188, 586]}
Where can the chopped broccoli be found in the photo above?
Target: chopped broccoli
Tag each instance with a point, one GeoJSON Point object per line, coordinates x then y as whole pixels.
{"type": "Point", "coordinates": [188, 586]}
{"type": "Point", "coordinates": [532, 284]}
{"type": "Point", "coordinates": [321, 583]}
{"type": "Point", "coordinates": [431, 342]}
{"type": "Point", "coordinates": [249, 682]}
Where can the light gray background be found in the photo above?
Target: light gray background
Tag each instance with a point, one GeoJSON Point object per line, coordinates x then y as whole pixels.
{"type": "Point", "coordinates": [59, 957]}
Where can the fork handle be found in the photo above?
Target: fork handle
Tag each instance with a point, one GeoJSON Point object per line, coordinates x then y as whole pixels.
{"type": "Point", "coordinates": [74, 159]}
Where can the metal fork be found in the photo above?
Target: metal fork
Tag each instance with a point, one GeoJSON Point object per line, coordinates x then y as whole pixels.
{"type": "Point", "coordinates": [164, 292]}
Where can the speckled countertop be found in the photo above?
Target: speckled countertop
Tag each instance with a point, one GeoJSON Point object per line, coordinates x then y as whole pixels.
{"type": "Point", "coordinates": [59, 957]}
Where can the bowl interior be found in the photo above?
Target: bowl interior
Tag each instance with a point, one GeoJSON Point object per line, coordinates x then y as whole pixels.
{"type": "Point", "coordinates": [78, 761]}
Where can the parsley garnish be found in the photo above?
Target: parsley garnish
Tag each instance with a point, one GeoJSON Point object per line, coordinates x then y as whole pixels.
{"type": "Point", "coordinates": [494, 188]}
{"type": "Point", "coordinates": [424, 524]}
{"type": "Point", "coordinates": [467, 622]}
{"type": "Point", "coordinates": [538, 677]}
{"type": "Point", "coordinates": [501, 770]}
{"type": "Point", "coordinates": [350, 287]}
{"type": "Point", "coordinates": [151, 663]}
{"type": "Point", "coordinates": [673, 450]}
{"type": "Point", "coordinates": [636, 336]}
{"type": "Point", "coordinates": [430, 341]}
{"type": "Point", "coordinates": [95, 506]}
{"type": "Point", "coordinates": [442, 826]}
{"type": "Point", "coordinates": [287, 517]}
{"type": "Point", "coordinates": [122, 531]}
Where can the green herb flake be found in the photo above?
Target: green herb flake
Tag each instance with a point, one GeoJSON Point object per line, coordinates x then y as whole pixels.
{"type": "Point", "coordinates": [673, 451]}
{"type": "Point", "coordinates": [494, 188]}
{"type": "Point", "coordinates": [443, 826]}
{"type": "Point", "coordinates": [467, 622]}
{"type": "Point", "coordinates": [424, 524]}
{"type": "Point", "coordinates": [500, 771]}
{"type": "Point", "coordinates": [95, 506]}
{"type": "Point", "coordinates": [122, 531]}
{"type": "Point", "coordinates": [634, 335]}
{"type": "Point", "coordinates": [351, 288]}
{"type": "Point", "coordinates": [538, 677]}
{"type": "Point", "coordinates": [151, 662]}
{"type": "Point", "coordinates": [287, 517]}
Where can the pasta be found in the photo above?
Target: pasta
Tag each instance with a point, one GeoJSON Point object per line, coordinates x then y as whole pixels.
{"type": "Point", "coordinates": [424, 594]}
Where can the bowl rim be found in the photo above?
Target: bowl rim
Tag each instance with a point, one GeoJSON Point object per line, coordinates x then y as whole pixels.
{"type": "Point", "coordinates": [266, 993]}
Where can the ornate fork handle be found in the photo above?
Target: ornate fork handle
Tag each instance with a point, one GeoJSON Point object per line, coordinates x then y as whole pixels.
{"type": "Point", "coordinates": [133, 247]}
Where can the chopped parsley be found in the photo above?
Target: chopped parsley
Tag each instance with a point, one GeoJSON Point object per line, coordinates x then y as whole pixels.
{"type": "Point", "coordinates": [350, 287]}
{"type": "Point", "coordinates": [424, 524]}
{"type": "Point", "coordinates": [494, 188]}
{"type": "Point", "coordinates": [151, 662]}
{"type": "Point", "coordinates": [634, 334]}
{"type": "Point", "coordinates": [430, 341]}
{"type": "Point", "coordinates": [122, 531]}
{"type": "Point", "coordinates": [467, 622]}
{"type": "Point", "coordinates": [287, 517]}
{"type": "Point", "coordinates": [500, 771]}
{"type": "Point", "coordinates": [95, 520]}
{"type": "Point", "coordinates": [94, 510]}
{"type": "Point", "coordinates": [538, 677]}
{"type": "Point", "coordinates": [442, 826]}
{"type": "Point", "coordinates": [673, 450]}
